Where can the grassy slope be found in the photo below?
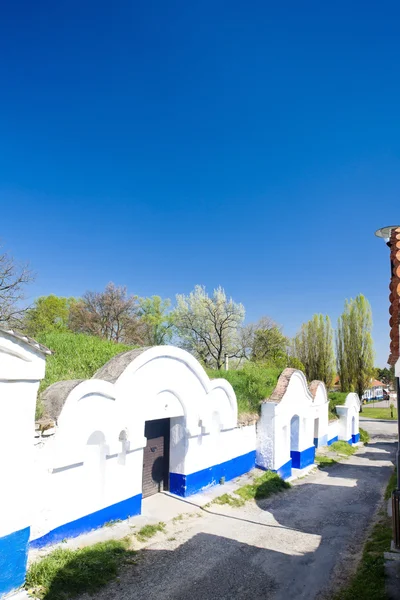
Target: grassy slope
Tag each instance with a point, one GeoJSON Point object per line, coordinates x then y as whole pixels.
{"type": "Point", "coordinates": [76, 356]}
{"type": "Point", "coordinates": [252, 384]}
{"type": "Point", "coordinates": [79, 356]}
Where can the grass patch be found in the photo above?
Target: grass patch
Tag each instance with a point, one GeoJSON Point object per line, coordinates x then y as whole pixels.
{"type": "Point", "coordinates": [252, 384]}
{"type": "Point", "coordinates": [342, 447]}
{"type": "Point", "coordinates": [149, 531]}
{"type": "Point", "coordinates": [75, 356]}
{"type": "Point", "coordinates": [369, 579]}
{"type": "Point", "coordinates": [67, 573]}
{"type": "Point", "coordinates": [266, 485]}
{"type": "Point", "coordinates": [324, 461]}
{"type": "Point", "coordinates": [391, 485]}
{"type": "Point", "coordinates": [364, 436]}
{"type": "Point", "coordinates": [378, 413]}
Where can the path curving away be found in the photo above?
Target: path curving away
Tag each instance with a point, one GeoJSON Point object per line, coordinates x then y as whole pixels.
{"type": "Point", "coordinates": [298, 545]}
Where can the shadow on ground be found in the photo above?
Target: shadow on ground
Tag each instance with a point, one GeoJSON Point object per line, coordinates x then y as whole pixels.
{"type": "Point", "coordinates": [289, 550]}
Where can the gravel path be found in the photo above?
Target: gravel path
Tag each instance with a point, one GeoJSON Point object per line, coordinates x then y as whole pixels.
{"type": "Point", "coordinates": [300, 544]}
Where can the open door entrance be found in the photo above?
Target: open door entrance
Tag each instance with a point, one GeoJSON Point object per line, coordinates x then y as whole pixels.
{"type": "Point", "coordinates": [156, 457]}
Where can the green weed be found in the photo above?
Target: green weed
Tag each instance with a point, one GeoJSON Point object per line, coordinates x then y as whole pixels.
{"type": "Point", "coordinates": [148, 531]}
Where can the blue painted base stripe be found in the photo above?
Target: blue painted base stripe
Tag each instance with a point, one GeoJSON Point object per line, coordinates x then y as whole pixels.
{"type": "Point", "coordinates": [335, 439]}
{"type": "Point", "coordinates": [13, 559]}
{"type": "Point", "coordinates": [355, 438]}
{"type": "Point", "coordinates": [121, 510]}
{"type": "Point", "coordinates": [350, 441]}
{"type": "Point", "coordinates": [302, 459]}
{"type": "Point", "coordinates": [186, 485]}
{"type": "Point", "coordinates": [285, 471]}
{"type": "Point", "coordinates": [322, 441]}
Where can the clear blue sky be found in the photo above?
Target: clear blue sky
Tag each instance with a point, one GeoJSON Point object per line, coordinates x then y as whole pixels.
{"type": "Point", "coordinates": [254, 145]}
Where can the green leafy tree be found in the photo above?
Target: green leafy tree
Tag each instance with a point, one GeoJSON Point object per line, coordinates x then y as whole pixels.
{"type": "Point", "coordinates": [385, 375]}
{"type": "Point", "coordinates": [48, 314]}
{"type": "Point", "coordinates": [269, 343]}
{"type": "Point", "coordinates": [208, 326]}
{"type": "Point", "coordinates": [313, 347]}
{"type": "Point", "coordinates": [354, 346]}
{"type": "Point", "coordinates": [157, 323]}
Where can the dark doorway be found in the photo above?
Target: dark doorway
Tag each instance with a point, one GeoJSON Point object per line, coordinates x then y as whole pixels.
{"type": "Point", "coordinates": [156, 457]}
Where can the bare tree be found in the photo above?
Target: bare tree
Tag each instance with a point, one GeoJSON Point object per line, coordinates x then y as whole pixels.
{"type": "Point", "coordinates": [111, 314]}
{"type": "Point", "coordinates": [13, 278]}
{"type": "Point", "coordinates": [208, 326]}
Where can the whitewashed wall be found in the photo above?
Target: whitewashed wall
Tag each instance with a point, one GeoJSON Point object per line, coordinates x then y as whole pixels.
{"type": "Point", "coordinates": [22, 367]}
{"type": "Point", "coordinates": [90, 471]}
{"type": "Point", "coordinates": [285, 432]}
{"type": "Point", "coordinates": [349, 417]}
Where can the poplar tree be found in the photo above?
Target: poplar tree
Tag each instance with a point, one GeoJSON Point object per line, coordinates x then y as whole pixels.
{"type": "Point", "coordinates": [354, 346]}
{"type": "Point", "coordinates": [313, 346]}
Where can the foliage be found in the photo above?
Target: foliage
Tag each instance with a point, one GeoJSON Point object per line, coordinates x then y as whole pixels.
{"type": "Point", "coordinates": [13, 279]}
{"type": "Point", "coordinates": [385, 375]}
{"type": "Point", "coordinates": [378, 413]}
{"type": "Point", "coordinates": [68, 573]}
{"type": "Point", "coordinates": [252, 384]}
{"type": "Point", "coordinates": [75, 356]}
{"type": "Point", "coordinates": [156, 322]}
{"type": "Point", "coordinates": [364, 436]}
{"type": "Point", "coordinates": [111, 314]}
{"type": "Point", "coordinates": [264, 486]}
{"type": "Point", "coordinates": [149, 531]}
{"type": "Point", "coordinates": [342, 447]}
{"type": "Point", "coordinates": [313, 346]}
{"type": "Point", "coordinates": [48, 314]}
{"type": "Point", "coordinates": [354, 346]}
{"type": "Point", "coordinates": [265, 341]}
{"type": "Point", "coordinates": [336, 399]}
{"type": "Point", "coordinates": [209, 326]}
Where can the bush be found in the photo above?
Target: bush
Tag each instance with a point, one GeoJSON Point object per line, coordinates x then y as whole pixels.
{"type": "Point", "coordinates": [252, 384]}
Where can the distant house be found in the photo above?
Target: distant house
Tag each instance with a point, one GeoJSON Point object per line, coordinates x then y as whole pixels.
{"type": "Point", "coordinates": [376, 391]}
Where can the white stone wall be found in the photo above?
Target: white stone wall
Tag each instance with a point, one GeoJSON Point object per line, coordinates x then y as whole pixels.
{"type": "Point", "coordinates": [95, 458]}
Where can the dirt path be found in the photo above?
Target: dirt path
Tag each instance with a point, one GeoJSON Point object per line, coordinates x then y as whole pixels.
{"type": "Point", "coordinates": [297, 545]}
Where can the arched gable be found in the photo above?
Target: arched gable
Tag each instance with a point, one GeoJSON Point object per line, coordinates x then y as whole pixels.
{"type": "Point", "coordinates": [318, 393]}
{"type": "Point", "coordinates": [291, 394]}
